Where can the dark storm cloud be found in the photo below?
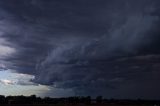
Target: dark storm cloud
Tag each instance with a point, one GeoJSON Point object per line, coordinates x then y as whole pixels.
{"type": "Point", "coordinates": [88, 46]}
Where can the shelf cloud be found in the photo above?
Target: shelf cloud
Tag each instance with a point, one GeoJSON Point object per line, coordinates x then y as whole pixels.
{"type": "Point", "coordinates": [94, 47]}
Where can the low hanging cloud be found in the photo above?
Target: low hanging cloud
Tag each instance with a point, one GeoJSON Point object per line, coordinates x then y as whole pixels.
{"type": "Point", "coordinates": [12, 78]}
{"type": "Point", "coordinates": [6, 82]}
{"type": "Point", "coordinates": [81, 45]}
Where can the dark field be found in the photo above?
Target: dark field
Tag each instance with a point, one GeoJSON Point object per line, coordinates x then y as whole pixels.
{"type": "Point", "coordinates": [75, 105]}
{"type": "Point", "coordinates": [33, 100]}
{"type": "Point", "coordinates": [79, 105]}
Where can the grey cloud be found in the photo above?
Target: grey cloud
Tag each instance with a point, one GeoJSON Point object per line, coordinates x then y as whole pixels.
{"type": "Point", "coordinates": [81, 44]}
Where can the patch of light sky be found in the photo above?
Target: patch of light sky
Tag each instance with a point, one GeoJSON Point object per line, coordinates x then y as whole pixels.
{"type": "Point", "coordinates": [20, 84]}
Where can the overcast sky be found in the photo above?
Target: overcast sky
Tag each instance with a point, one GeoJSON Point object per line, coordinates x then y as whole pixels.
{"type": "Point", "coordinates": [80, 47]}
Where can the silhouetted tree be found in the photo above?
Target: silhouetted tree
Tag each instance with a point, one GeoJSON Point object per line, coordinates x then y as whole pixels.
{"type": "Point", "coordinates": [2, 99]}
{"type": "Point", "coordinates": [99, 99]}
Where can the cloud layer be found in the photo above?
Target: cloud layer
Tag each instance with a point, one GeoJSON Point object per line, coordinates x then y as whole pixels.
{"type": "Point", "coordinates": [93, 47]}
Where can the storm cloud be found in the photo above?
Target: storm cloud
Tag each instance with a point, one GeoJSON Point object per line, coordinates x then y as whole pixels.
{"type": "Point", "coordinates": [93, 47]}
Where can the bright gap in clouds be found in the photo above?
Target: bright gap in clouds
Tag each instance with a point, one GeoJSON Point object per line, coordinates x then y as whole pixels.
{"type": "Point", "coordinates": [19, 84]}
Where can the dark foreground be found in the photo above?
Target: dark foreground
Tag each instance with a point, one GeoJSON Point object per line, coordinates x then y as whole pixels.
{"type": "Point", "coordinates": [77, 105]}
{"type": "Point", "coordinates": [72, 101]}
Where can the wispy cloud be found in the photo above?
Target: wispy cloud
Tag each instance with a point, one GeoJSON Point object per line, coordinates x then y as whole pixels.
{"type": "Point", "coordinates": [7, 82]}
{"type": "Point", "coordinates": [11, 78]}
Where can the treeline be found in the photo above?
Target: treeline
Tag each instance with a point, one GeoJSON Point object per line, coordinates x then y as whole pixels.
{"type": "Point", "coordinates": [72, 100]}
{"type": "Point", "coordinates": [47, 100]}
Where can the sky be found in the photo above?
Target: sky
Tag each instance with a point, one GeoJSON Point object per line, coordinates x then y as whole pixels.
{"type": "Point", "coordinates": [61, 48]}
